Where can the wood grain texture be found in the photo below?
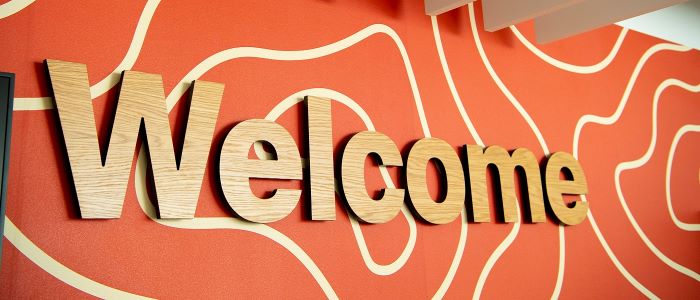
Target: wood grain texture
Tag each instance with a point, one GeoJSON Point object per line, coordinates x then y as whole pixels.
{"type": "Point", "coordinates": [479, 159]}
{"type": "Point", "coordinates": [419, 156]}
{"type": "Point", "coordinates": [556, 187]}
{"type": "Point", "coordinates": [320, 145]}
{"type": "Point", "coordinates": [100, 187]}
{"type": "Point", "coordinates": [356, 151]}
{"type": "Point", "coordinates": [187, 183]}
{"type": "Point", "coordinates": [236, 169]}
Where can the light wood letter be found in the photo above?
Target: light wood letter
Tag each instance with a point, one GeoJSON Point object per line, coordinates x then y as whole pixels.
{"type": "Point", "coordinates": [556, 187]}
{"type": "Point", "coordinates": [101, 186]}
{"type": "Point", "coordinates": [479, 159]}
{"type": "Point", "coordinates": [320, 147]}
{"type": "Point", "coordinates": [235, 170]}
{"type": "Point", "coordinates": [358, 148]}
{"type": "Point", "coordinates": [418, 158]}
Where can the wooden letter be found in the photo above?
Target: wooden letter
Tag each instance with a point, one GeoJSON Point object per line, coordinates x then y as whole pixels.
{"type": "Point", "coordinates": [320, 149]}
{"type": "Point", "coordinates": [418, 158]}
{"type": "Point", "coordinates": [101, 186]}
{"type": "Point", "coordinates": [367, 209]}
{"type": "Point", "coordinates": [556, 187]}
{"type": "Point", "coordinates": [479, 159]}
{"type": "Point", "coordinates": [235, 170]}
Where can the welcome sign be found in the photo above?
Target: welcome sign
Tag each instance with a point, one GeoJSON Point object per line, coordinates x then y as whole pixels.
{"type": "Point", "coordinates": [368, 91]}
{"type": "Point", "coordinates": [100, 185]}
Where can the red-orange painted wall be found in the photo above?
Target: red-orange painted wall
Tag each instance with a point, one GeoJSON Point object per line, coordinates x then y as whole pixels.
{"type": "Point", "coordinates": [604, 257]}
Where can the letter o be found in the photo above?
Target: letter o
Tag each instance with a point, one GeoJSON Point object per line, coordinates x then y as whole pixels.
{"type": "Point", "coordinates": [418, 158]}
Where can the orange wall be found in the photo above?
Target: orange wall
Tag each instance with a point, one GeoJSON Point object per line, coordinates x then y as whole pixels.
{"type": "Point", "coordinates": [628, 104]}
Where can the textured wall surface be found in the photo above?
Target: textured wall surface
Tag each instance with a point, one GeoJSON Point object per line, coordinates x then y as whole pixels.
{"type": "Point", "coordinates": [626, 105]}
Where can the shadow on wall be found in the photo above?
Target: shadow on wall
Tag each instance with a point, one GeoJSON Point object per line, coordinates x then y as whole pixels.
{"type": "Point", "coordinates": [455, 21]}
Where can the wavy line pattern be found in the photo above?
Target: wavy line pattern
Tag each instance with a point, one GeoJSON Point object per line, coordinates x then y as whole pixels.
{"type": "Point", "coordinates": [628, 165]}
{"type": "Point", "coordinates": [242, 52]}
{"type": "Point", "coordinates": [376, 268]}
{"type": "Point", "coordinates": [497, 80]}
{"type": "Point", "coordinates": [477, 138]}
{"type": "Point", "coordinates": [510, 238]}
{"type": "Point", "coordinates": [597, 67]}
{"type": "Point", "coordinates": [60, 271]}
{"type": "Point", "coordinates": [107, 83]}
{"type": "Point", "coordinates": [669, 164]}
{"type": "Point", "coordinates": [625, 96]}
{"type": "Point", "coordinates": [227, 223]}
{"type": "Point", "coordinates": [607, 121]}
{"type": "Point", "coordinates": [235, 53]}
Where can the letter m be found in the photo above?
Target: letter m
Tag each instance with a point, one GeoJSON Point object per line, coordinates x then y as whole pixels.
{"type": "Point", "coordinates": [479, 159]}
{"type": "Point", "coordinates": [100, 185]}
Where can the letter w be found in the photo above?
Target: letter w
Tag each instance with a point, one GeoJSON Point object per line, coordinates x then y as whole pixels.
{"type": "Point", "coordinates": [101, 186]}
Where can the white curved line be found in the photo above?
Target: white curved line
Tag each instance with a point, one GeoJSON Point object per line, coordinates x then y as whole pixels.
{"type": "Point", "coordinates": [131, 55]}
{"type": "Point", "coordinates": [60, 271]}
{"type": "Point", "coordinates": [393, 267]}
{"type": "Point", "coordinates": [630, 278]}
{"type": "Point", "coordinates": [440, 293]}
{"type": "Point", "coordinates": [567, 66]}
{"type": "Point", "coordinates": [13, 7]}
{"type": "Point", "coordinates": [643, 160]}
{"type": "Point", "coordinates": [494, 257]}
{"type": "Point", "coordinates": [23, 244]}
{"type": "Point", "coordinates": [451, 83]}
{"type": "Point", "coordinates": [562, 262]}
{"type": "Point", "coordinates": [625, 96]}
{"type": "Point", "coordinates": [502, 86]}
{"type": "Point", "coordinates": [669, 163]}
{"type": "Point", "coordinates": [454, 265]}
{"type": "Point", "coordinates": [607, 121]}
{"type": "Point", "coordinates": [226, 223]}
{"type": "Point", "coordinates": [234, 53]}
{"type": "Point", "coordinates": [104, 85]}
{"type": "Point", "coordinates": [373, 266]}
{"type": "Point", "coordinates": [292, 55]}
{"type": "Point", "coordinates": [505, 244]}
{"type": "Point", "coordinates": [34, 103]}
